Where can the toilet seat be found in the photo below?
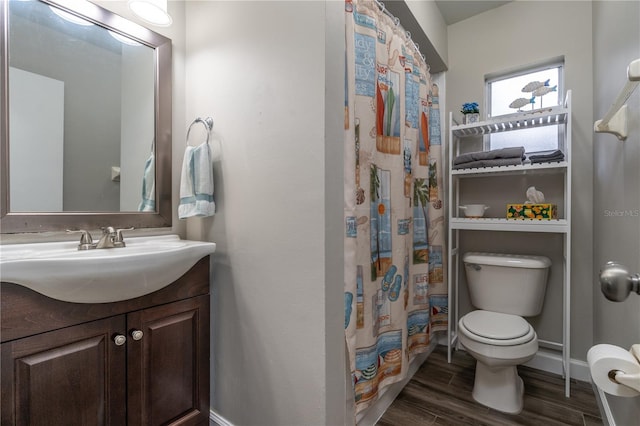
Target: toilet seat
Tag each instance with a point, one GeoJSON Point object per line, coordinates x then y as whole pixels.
{"type": "Point", "coordinates": [496, 328]}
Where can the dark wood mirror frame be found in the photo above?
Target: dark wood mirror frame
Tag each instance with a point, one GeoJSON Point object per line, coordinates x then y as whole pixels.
{"type": "Point", "coordinates": [17, 222]}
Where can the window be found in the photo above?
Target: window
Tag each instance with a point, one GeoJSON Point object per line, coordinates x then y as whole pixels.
{"type": "Point", "coordinates": [504, 89]}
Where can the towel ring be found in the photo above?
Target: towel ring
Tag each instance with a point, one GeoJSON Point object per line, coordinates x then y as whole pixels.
{"type": "Point", "coordinates": [208, 124]}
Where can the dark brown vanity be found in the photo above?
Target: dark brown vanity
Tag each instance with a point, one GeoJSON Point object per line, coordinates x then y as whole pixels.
{"type": "Point", "coordinates": [142, 361]}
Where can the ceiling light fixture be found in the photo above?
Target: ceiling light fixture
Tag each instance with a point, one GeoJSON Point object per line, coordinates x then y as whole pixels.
{"type": "Point", "coordinates": [152, 11]}
{"type": "Point", "coordinates": [70, 17]}
{"type": "Point", "coordinates": [123, 39]}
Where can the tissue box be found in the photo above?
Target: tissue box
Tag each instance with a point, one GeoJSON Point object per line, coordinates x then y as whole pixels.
{"type": "Point", "coordinates": [532, 211]}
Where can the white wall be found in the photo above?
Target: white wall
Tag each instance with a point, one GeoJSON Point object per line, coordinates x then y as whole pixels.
{"type": "Point", "coordinates": [517, 34]}
{"type": "Point", "coordinates": [433, 25]}
{"type": "Point", "coordinates": [616, 35]}
{"type": "Point", "coordinates": [271, 76]}
{"type": "Point", "coordinates": [36, 179]}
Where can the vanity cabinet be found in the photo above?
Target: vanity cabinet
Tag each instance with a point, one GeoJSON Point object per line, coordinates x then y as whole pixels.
{"type": "Point", "coordinates": [165, 380]}
{"type": "Point", "coordinates": [473, 184]}
{"type": "Point", "coordinates": [143, 361]}
{"type": "Point", "coordinates": [73, 376]}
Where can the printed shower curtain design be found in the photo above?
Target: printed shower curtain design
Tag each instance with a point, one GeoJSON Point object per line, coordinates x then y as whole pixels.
{"type": "Point", "coordinates": [395, 290]}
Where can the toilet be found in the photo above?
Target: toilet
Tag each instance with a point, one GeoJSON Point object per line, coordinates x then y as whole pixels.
{"type": "Point", "coordinates": [503, 288]}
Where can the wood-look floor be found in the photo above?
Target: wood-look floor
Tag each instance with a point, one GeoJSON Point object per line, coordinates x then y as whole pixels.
{"type": "Point", "coordinates": [440, 394]}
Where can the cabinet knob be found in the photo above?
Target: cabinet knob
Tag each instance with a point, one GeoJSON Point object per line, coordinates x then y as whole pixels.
{"type": "Point", "coordinates": [119, 339]}
{"type": "Point", "coordinates": [137, 334]}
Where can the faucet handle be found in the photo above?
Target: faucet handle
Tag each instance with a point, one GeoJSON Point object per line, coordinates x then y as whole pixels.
{"type": "Point", "coordinates": [119, 239]}
{"type": "Point", "coordinates": [86, 242]}
{"type": "Point", "coordinates": [108, 230]}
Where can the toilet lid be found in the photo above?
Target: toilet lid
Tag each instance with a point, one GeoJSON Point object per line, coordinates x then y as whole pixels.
{"type": "Point", "coordinates": [496, 325]}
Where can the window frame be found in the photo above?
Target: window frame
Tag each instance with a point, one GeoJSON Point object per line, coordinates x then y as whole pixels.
{"type": "Point", "coordinates": [557, 62]}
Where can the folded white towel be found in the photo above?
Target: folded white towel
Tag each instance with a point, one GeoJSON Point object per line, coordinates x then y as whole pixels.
{"type": "Point", "coordinates": [148, 203]}
{"type": "Point", "coordinates": [196, 183]}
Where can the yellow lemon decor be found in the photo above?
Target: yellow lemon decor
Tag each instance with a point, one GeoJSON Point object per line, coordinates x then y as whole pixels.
{"type": "Point", "coordinates": [532, 211]}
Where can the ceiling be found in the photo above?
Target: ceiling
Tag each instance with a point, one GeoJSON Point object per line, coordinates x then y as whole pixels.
{"type": "Point", "coordinates": [457, 10]}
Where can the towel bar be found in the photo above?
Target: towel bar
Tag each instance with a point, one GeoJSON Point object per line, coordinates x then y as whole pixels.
{"type": "Point", "coordinates": [208, 124]}
{"type": "Point", "coordinates": [615, 120]}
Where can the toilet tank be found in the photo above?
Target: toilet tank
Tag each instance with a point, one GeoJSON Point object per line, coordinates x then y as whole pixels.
{"type": "Point", "coordinates": [511, 284]}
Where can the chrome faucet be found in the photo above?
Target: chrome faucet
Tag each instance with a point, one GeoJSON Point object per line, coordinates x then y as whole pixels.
{"type": "Point", "coordinates": [111, 238]}
{"type": "Point", "coordinates": [108, 238]}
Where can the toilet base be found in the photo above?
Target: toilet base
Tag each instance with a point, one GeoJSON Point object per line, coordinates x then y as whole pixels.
{"type": "Point", "coordinates": [499, 388]}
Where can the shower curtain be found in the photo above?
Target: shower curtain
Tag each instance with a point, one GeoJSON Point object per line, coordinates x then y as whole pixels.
{"type": "Point", "coordinates": [395, 288]}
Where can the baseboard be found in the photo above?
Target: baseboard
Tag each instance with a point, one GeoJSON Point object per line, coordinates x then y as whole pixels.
{"type": "Point", "coordinates": [552, 363]}
{"type": "Point", "coordinates": [372, 415]}
{"type": "Point", "coordinates": [215, 419]}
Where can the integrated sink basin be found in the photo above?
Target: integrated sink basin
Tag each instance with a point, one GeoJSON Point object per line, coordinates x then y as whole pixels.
{"type": "Point", "coordinates": [61, 271]}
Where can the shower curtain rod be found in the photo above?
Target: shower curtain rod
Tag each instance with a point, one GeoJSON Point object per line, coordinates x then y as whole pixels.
{"type": "Point", "coordinates": [396, 21]}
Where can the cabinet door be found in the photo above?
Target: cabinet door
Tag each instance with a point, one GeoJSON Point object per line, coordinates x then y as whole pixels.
{"type": "Point", "coordinates": [72, 376]}
{"type": "Point", "coordinates": [168, 367]}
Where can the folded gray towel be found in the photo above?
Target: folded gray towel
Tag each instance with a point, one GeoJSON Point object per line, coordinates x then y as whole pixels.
{"type": "Point", "coordinates": [547, 160]}
{"type": "Point", "coordinates": [488, 163]}
{"type": "Point", "coordinates": [511, 152]}
{"type": "Point", "coordinates": [556, 155]}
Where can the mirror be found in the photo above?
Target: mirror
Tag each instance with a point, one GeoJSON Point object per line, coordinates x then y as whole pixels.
{"type": "Point", "coordinates": [86, 121]}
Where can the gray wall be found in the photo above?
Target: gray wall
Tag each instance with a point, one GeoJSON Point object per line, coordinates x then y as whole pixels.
{"type": "Point", "coordinates": [177, 33]}
{"type": "Point", "coordinates": [435, 29]}
{"type": "Point", "coordinates": [515, 35]}
{"type": "Point", "coordinates": [87, 160]}
{"type": "Point", "coordinates": [271, 74]}
{"type": "Point", "coordinates": [616, 42]}
{"type": "Point", "coordinates": [137, 122]}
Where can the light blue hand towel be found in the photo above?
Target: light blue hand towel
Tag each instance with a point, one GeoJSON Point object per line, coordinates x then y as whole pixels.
{"type": "Point", "coordinates": [148, 203]}
{"type": "Point", "coordinates": [196, 183]}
